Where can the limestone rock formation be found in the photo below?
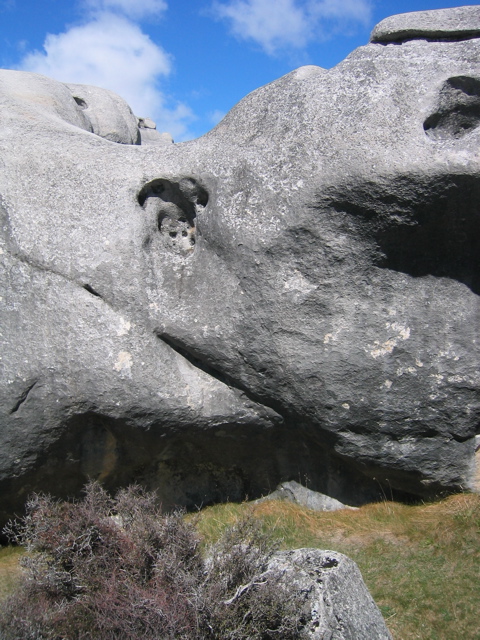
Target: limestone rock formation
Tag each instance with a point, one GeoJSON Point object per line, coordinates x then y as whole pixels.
{"type": "Point", "coordinates": [294, 492]}
{"type": "Point", "coordinates": [295, 295]}
{"type": "Point", "coordinates": [460, 23]}
{"type": "Point", "coordinates": [337, 602]}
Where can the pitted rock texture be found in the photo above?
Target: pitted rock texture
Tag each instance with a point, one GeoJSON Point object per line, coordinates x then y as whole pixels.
{"type": "Point", "coordinates": [293, 296]}
{"type": "Point", "coordinates": [337, 603]}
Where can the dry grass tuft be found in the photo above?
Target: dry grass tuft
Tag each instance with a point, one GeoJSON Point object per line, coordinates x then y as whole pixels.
{"type": "Point", "coordinates": [9, 569]}
{"type": "Point", "coordinates": [420, 562]}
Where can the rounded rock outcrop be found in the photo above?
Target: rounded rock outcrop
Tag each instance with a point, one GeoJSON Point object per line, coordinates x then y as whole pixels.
{"type": "Point", "coordinates": [293, 296]}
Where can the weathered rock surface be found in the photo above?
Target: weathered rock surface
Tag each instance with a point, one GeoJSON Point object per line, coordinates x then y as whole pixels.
{"type": "Point", "coordinates": [337, 602]}
{"type": "Point", "coordinates": [293, 295]}
{"type": "Point", "coordinates": [294, 492]}
{"type": "Point", "coordinates": [108, 115]}
{"type": "Point", "coordinates": [458, 23]}
{"type": "Point", "coordinates": [149, 134]}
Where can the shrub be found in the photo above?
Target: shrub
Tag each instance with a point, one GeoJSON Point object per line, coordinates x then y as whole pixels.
{"type": "Point", "coordinates": [105, 568]}
{"type": "Point", "coordinates": [246, 599]}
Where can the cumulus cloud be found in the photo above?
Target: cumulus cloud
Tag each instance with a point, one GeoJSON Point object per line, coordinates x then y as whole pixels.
{"type": "Point", "coordinates": [216, 115]}
{"type": "Point", "coordinates": [112, 52]}
{"type": "Point", "coordinates": [277, 24]}
{"type": "Point", "coordinates": [136, 9]}
{"type": "Point", "coordinates": [344, 10]}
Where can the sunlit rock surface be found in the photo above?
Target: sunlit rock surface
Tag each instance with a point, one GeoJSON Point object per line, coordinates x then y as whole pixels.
{"type": "Point", "coordinates": [293, 296]}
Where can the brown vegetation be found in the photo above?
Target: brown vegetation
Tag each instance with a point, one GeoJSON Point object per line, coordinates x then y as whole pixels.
{"type": "Point", "coordinates": [420, 562]}
{"type": "Point", "coordinates": [112, 569]}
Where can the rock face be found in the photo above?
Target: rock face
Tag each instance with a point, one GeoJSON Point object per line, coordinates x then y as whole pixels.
{"type": "Point", "coordinates": [295, 295]}
{"type": "Point", "coordinates": [294, 492]}
{"type": "Point", "coordinates": [338, 605]}
{"type": "Point", "coordinates": [449, 24]}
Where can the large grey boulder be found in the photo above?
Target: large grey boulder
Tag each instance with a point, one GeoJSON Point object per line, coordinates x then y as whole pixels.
{"type": "Point", "coordinates": [108, 115]}
{"type": "Point", "coordinates": [337, 604]}
{"type": "Point", "coordinates": [292, 296]}
{"type": "Point", "coordinates": [294, 492]}
{"type": "Point", "coordinates": [149, 134]}
{"type": "Point", "coordinates": [449, 24]}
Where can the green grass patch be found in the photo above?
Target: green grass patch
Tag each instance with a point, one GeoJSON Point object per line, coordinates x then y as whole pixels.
{"type": "Point", "coordinates": [9, 569]}
{"type": "Point", "coordinates": [421, 562]}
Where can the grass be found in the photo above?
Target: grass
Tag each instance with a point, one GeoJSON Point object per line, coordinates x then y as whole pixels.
{"type": "Point", "coordinates": [420, 562]}
{"type": "Point", "coordinates": [9, 569]}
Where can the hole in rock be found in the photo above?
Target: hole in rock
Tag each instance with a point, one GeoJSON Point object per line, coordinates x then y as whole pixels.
{"type": "Point", "coordinates": [81, 102]}
{"type": "Point", "coordinates": [174, 205]}
{"type": "Point", "coordinates": [458, 110]}
{"type": "Point", "coordinates": [329, 563]}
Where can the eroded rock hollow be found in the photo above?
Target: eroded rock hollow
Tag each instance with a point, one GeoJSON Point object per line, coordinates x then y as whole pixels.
{"type": "Point", "coordinates": [293, 296]}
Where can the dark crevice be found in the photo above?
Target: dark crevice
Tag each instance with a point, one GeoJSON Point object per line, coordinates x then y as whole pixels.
{"type": "Point", "coordinates": [23, 398]}
{"type": "Point", "coordinates": [33, 264]}
{"type": "Point", "coordinates": [474, 35]}
{"type": "Point", "coordinates": [211, 371]}
{"type": "Point", "coordinates": [214, 373]}
{"type": "Point", "coordinates": [81, 102]}
{"type": "Point", "coordinates": [91, 290]}
{"type": "Point", "coordinates": [453, 123]}
{"type": "Point", "coordinates": [459, 438]}
{"type": "Point", "coordinates": [417, 430]}
{"type": "Point", "coordinates": [329, 563]}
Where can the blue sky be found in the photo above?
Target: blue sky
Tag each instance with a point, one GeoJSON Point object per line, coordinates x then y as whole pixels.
{"type": "Point", "coordinates": [185, 63]}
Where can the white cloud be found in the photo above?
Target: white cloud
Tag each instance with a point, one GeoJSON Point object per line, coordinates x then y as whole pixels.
{"type": "Point", "coordinates": [136, 9]}
{"type": "Point", "coordinates": [108, 50]}
{"type": "Point", "coordinates": [344, 10]}
{"type": "Point", "coordinates": [277, 24]}
{"type": "Point", "coordinates": [112, 52]}
{"type": "Point", "coordinates": [216, 115]}
{"type": "Point", "coordinates": [271, 23]}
